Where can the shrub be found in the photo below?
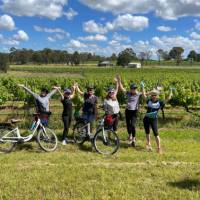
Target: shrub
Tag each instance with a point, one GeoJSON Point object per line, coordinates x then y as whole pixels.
{"type": "Point", "coordinates": [4, 62]}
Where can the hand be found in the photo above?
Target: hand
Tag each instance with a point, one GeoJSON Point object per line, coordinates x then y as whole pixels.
{"type": "Point", "coordinates": [56, 88]}
{"type": "Point", "coordinates": [75, 85]}
{"type": "Point", "coordinates": [118, 78]}
{"type": "Point", "coordinates": [20, 85]}
{"type": "Point", "coordinates": [142, 84]}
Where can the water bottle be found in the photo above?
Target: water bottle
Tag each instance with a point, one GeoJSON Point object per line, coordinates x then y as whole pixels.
{"type": "Point", "coordinates": [33, 126]}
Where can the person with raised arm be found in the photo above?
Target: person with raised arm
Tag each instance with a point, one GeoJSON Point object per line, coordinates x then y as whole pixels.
{"type": "Point", "coordinates": [89, 110]}
{"type": "Point", "coordinates": [111, 107]}
{"type": "Point", "coordinates": [133, 100]}
{"type": "Point", "coordinates": [42, 102]}
{"type": "Point", "coordinates": [151, 116]}
{"type": "Point", "coordinates": [66, 98]}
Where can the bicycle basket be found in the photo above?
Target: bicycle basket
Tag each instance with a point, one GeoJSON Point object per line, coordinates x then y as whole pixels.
{"type": "Point", "coordinates": [108, 120]}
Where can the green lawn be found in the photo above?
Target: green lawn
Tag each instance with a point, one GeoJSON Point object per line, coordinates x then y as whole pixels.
{"type": "Point", "coordinates": [80, 173]}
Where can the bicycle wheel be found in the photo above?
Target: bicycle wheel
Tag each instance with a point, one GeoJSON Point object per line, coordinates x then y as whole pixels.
{"type": "Point", "coordinates": [106, 142]}
{"type": "Point", "coordinates": [47, 140]}
{"type": "Point", "coordinates": [6, 145]}
{"type": "Point", "coordinates": [80, 132]}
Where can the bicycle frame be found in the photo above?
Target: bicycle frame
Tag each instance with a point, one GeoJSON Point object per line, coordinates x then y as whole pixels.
{"type": "Point", "coordinates": [36, 123]}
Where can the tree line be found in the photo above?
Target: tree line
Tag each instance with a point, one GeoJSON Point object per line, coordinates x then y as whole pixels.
{"type": "Point", "coordinates": [50, 56]}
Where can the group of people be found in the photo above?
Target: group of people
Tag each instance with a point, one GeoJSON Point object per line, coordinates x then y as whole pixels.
{"type": "Point", "coordinates": [111, 107]}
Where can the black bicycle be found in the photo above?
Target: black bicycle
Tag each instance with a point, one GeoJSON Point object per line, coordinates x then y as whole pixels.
{"type": "Point", "coordinates": [105, 140]}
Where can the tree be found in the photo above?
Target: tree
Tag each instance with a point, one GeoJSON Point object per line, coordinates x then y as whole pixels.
{"type": "Point", "coordinates": [145, 56]}
{"type": "Point", "coordinates": [176, 54]}
{"type": "Point", "coordinates": [125, 57]}
{"type": "Point", "coordinates": [142, 57]}
{"type": "Point", "coordinates": [166, 56]}
{"type": "Point", "coordinates": [4, 62]}
{"type": "Point", "coordinates": [148, 55]}
{"type": "Point", "coordinates": [192, 56]}
{"type": "Point", "coordinates": [113, 57]}
{"type": "Point", "coordinates": [75, 60]}
{"type": "Point", "coordinates": [159, 53]}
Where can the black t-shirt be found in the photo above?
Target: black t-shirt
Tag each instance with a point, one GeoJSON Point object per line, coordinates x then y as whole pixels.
{"type": "Point", "coordinates": [154, 106]}
{"type": "Point", "coordinates": [67, 107]}
{"type": "Point", "coordinates": [90, 103]}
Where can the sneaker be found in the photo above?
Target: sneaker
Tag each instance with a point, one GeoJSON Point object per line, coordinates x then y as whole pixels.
{"type": "Point", "coordinates": [149, 147]}
{"type": "Point", "coordinates": [130, 140]}
{"type": "Point", "coordinates": [64, 142]}
{"type": "Point", "coordinates": [133, 143]}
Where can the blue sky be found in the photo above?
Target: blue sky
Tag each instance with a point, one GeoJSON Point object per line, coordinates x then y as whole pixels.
{"type": "Point", "coordinates": [103, 27]}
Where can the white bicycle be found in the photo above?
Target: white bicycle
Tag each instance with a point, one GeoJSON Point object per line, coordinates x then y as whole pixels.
{"type": "Point", "coordinates": [10, 137]}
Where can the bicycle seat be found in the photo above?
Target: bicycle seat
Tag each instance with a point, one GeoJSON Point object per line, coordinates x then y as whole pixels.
{"type": "Point", "coordinates": [36, 114]}
{"type": "Point", "coordinates": [15, 121]}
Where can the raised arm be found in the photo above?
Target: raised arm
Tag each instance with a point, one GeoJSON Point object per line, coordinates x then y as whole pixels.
{"type": "Point", "coordinates": [144, 94]}
{"type": "Point", "coordinates": [170, 96]}
{"type": "Point", "coordinates": [79, 91]}
{"type": "Point", "coordinates": [28, 90]}
{"type": "Point", "coordinates": [116, 86]}
{"type": "Point", "coordinates": [61, 94]}
{"type": "Point", "coordinates": [55, 89]}
{"type": "Point", "coordinates": [73, 91]}
{"type": "Point", "coordinates": [120, 84]}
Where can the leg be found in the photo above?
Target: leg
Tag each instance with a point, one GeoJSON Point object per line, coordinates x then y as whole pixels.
{"type": "Point", "coordinates": [115, 123]}
{"type": "Point", "coordinates": [154, 126]}
{"type": "Point", "coordinates": [66, 123]}
{"type": "Point", "coordinates": [147, 131]}
{"type": "Point", "coordinates": [128, 125]}
{"type": "Point", "coordinates": [133, 124]}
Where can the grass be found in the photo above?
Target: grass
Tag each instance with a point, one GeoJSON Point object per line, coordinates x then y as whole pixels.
{"type": "Point", "coordinates": [80, 173]}
{"type": "Point", "coordinates": [75, 173]}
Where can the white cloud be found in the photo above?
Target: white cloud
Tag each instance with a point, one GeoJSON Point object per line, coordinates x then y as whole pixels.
{"type": "Point", "coordinates": [96, 37]}
{"type": "Point", "coordinates": [7, 23]}
{"type": "Point", "coordinates": [21, 36]}
{"type": "Point", "coordinates": [51, 39]}
{"type": "Point", "coordinates": [92, 27]}
{"type": "Point", "coordinates": [155, 43]}
{"type": "Point", "coordinates": [167, 43]}
{"type": "Point", "coordinates": [121, 38]}
{"type": "Point", "coordinates": [55, 37]}
{"type": "Point", "coordinates": [8, 41]}
{"type": "Point", "coordinates": [59, 34]}
{"type": "Point", "coordinates": [165, 28]}
{"type": "Point", "coordinates": [114, 43]}
{"type": "Point", "coordinates": [70, 14]}
{"type": "Point", "coordinates": [127, 22]}
{"type": "Point", "coordinates": [51, 9]}
{"type": "Point", "coordinates": [49, 30]}
{"type": "Point", "coordinates": [197, 25]}
{"type": "Point", "coordinates": [74, 44]}
{"type": "Point", "coordinates": [167, 9]}
{"type": "Point", "coordinates": [195, 36]}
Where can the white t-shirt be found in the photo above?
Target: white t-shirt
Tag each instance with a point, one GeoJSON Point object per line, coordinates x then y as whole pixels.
{"type": "Point", "coordinates": [111, 106]}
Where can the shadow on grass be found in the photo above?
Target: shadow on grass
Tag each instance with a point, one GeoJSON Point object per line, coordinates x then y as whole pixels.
{"type": "Point", "coordinates": [24, 146]}
{"type": "Point", "coordinates": [186, 184]}
{"type": "Point", "coordinates": [70, 139]}
{"type": "Point", "coordinates": [125, 145]}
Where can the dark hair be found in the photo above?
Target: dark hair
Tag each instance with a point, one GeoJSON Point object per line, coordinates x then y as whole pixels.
{"type": "Point", "coordinates": [45, 90]}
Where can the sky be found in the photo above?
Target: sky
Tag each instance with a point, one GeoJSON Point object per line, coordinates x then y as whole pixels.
{"type": "Point", "coordinates": [102, 27]}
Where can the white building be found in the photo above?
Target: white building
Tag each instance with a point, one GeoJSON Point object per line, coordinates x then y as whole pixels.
{"type": "Point", "coordinates": [135, 65]}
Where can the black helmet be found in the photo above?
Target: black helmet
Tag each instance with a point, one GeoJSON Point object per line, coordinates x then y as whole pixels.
{"type": "Point", "coordinates": [133, 86]}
